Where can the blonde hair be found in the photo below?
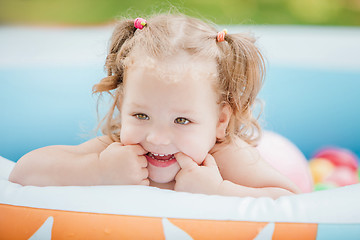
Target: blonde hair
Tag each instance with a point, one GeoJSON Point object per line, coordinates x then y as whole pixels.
{"type": "Point", "coordinates": [240, 66]}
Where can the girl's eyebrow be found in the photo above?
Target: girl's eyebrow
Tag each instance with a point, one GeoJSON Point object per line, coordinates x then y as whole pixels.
{"type": "Point", "coordinates": [185, 111]}
{"type": "Point", "coordinates": [136, 105]}
{"type": "Point", "coordinates": [175, 110]}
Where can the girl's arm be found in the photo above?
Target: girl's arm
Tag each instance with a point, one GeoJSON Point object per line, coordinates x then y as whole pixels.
{"type": "Point", "coordinates": [60, 165]}
{"type": "Point", "coordinates": [246, 173]}
{"type": "Point", "coordinates": [95, 162]}
{"type": "Point", "coordinates": [228, 188]}
{"type": "Point", "coordinates": [232, 170]}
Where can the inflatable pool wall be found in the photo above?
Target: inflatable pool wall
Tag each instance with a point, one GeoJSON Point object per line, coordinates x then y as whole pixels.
{"type": "Point", "coordinates": [139, 212]}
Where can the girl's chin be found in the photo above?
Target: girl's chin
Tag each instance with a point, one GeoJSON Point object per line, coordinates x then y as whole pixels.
{"type": "Point", "coordinates": [163, 175]}
{"type": "Point", "coordinates": [162, 180]}
{"type": "Point", "coordinates": [160, 177]}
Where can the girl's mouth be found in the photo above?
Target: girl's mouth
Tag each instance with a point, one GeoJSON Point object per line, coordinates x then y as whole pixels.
{"type": "Point", "coordinates": [160, 160]}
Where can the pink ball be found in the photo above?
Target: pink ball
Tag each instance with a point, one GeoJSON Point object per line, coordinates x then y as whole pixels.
{"type": "Point", "coordinates": [339, 157]}
{"type": "Point", "coordinates": [342, 176]}
{"type": "Point", "coordinates": [284, 156]}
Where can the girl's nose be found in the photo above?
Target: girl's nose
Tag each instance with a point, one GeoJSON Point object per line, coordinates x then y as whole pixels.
{"type": "Point", "coordinates": [159, 136]}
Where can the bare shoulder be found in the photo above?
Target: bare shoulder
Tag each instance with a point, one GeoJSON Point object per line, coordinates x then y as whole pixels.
{"type": "Point", "coordinates": [242, 164]}
{"type": "Point", "coordinates": [238, 156]}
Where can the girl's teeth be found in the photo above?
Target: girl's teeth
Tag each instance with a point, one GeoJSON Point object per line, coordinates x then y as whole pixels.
{"type": "Point", "coordinates": [161, 155]}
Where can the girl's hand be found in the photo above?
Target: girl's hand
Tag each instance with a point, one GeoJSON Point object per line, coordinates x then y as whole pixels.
{"type": "Point", "coordinates": [197, 179]}
{"type": "Point", "coordinates": [123, 165]}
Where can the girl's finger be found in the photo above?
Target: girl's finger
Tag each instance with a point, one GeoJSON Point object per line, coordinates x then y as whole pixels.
{"type": "Point", "coordinates": [184, 161]}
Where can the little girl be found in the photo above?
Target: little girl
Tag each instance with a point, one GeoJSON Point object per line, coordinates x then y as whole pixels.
{"type": "Point", "coordinates": [181, 117]}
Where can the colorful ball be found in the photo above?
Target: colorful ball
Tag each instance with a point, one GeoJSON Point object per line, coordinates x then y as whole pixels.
{"type": "Point", "coordinates": [339, 157]}
{"type": "Point", "coordinates": [320, 169]}
{"type": "Point", "coordinates": [324, 186]}
{"type": "Point", "coordinates": [284, 156]}
{"type": "Point", "coordinates": [342, 176]}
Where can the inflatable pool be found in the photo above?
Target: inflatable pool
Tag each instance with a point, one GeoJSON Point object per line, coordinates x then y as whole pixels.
{"type": "Point", "coordinates": [139, 212]}
{"type": "Point", "coordinates": [46, 83]}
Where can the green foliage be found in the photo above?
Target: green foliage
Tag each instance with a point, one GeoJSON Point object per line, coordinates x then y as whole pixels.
{"type": "Point", "coordinates": [318, 12]}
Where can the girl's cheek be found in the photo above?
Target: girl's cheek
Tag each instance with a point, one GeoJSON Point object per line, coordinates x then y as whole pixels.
{"type": "Point", "coordinates": [198, 153]}
{"type": "Point", "coordinates": [129, 135]}
{"type": "Point", "coordinates": [186, 143]}
{"type": "Point", "coordinates": [200, 159]}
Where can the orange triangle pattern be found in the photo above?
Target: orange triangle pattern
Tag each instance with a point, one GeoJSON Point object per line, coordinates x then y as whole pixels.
{"type": "Point", "coordinates": [22, 222]}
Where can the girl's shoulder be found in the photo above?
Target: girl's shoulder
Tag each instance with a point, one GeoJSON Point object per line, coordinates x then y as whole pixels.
{"type": "Point", "coordinates": [239, 162]}
{"type": "Point", "coordinates": [236, 150]}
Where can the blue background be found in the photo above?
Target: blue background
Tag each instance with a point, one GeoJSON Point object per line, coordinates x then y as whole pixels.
{"type": "Point", "coordinates": [43, 106]}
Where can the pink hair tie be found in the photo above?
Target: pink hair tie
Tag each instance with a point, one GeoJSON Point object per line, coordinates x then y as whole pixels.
{"type": "Point", "coordinates": [221, 35]}
{"type": "Point", "coordinates": [139, 23]}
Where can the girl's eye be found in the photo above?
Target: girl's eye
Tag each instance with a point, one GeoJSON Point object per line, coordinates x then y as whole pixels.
{"type": "Point", "coordinates": [141, 116]}
{"type": "Point", "coordinates": [181, 120]}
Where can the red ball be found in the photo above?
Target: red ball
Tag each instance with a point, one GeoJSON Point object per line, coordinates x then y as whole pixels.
{"type": "Point", "coordinates": [339, 157]}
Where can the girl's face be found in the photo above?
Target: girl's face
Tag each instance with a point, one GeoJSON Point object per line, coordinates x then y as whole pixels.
{"type": "Point", "coordinates": [166, 116]}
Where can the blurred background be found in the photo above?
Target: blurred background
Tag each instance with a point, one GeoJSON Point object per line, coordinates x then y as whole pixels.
{"type": "Point", "coordinates": [52, 52]}
{"type": "Point", "coordinates": [87, 12]}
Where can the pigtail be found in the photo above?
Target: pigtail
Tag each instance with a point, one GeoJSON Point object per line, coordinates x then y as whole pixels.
{"type": "Point", "coordinates": [120, 45]}
{"type": "Point", "coordinates": [242, 70]}
{"type": "Point", "coordinates": [119, 49]}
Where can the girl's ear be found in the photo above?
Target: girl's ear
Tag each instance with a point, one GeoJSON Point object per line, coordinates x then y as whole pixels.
{"type": "Point", "coordinates": [223, 122]}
